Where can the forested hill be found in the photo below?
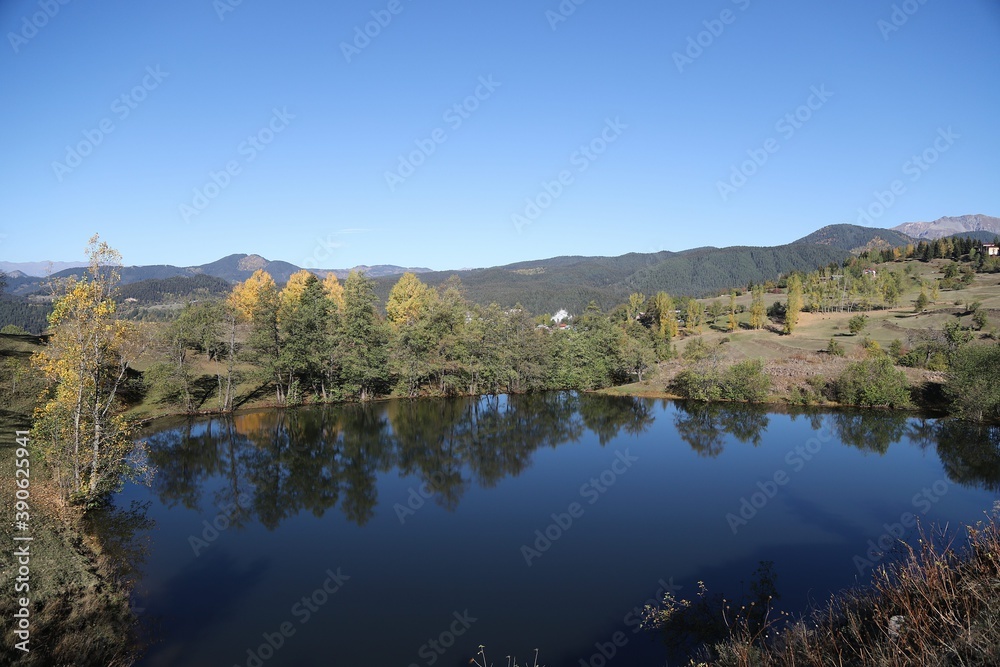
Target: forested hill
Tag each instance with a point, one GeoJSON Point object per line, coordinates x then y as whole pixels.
{"type": "Point", "coordinates": [545, 286]}
{"type": "Point", "coordinates": [856, 238]}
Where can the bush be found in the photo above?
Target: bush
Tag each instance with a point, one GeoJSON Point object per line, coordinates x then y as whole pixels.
{"type": "Point", "coordinates": [974, 382]}
{"type": "Point", "coordinates": [874, 382]}
{"type": "Point", "coordinates": [857, 324]}
{"type": "Point", "coordinates": [743, 382]}
{"type": "Point", "coordinates": [835, 348]}
{"type": "Point", "coordinates": [13, 330]}
{"type": "Point", "coordinates": [746, 381]}
{"type": "Point", "coordinates": [695, 350]}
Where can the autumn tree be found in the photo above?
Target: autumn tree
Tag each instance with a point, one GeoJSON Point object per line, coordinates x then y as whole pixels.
{"type": "Point", "coordinates": [758, 311]}
{"type": "Point", "coordinates": [666, 318]}
{"type": "Point", "coordinates": [732, 324]}
{"type": "Point", "coordinates": [693, 315]}
{"type": "Point", "coordinates": [409, 300]}
{"type": "Point", "coordinates": [80, 424]}
{"type": "Point", "coordinates": [334, 290]}
{"type": "Point", "coordinates": [794, 307]}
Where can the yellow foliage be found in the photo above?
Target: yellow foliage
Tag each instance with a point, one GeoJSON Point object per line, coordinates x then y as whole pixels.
{"type": "Point", "coordinates": [409, 300]}
{"type": "Point", "coordinates": [334, 290]}
{"type": "Point", "coordinates": [247, 296]}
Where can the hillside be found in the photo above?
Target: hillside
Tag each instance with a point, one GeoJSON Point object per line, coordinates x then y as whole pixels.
{"type": "Point", "coordinates": [950, 226]}
{"type": "Point", "coordinates": [545, 286]}
{"type": "Point", "coordinates": [854, 238]}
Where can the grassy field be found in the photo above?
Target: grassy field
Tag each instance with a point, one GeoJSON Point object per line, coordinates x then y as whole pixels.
{"type": "Point", "coordinates": [791, 359]}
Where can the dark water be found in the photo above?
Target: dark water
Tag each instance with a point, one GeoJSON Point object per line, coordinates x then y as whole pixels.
{"type": "Point", "coordinates": [408, 527]}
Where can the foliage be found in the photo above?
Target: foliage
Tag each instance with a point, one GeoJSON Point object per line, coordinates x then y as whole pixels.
{"type": "Point", "coordinates": [974, 382]}
{"type": "Point", "coordinates": [857, 324]}
{"type": "Point", "coordinates": [758, 313]}
{"type": "Point", "coordinates": [19, 312]}
{"type": "Point", "coordinates": [742, 382]}
{"type": "Point", "coordinates": [794, 307]}
{"type": "Point", "coordinates": [835, 348]}
{"type": "Point", "coordinates": [79, 425]}
{"type": "Point", "coordinates": [164, 290]}
{"type": "Point", "coordinates": [874, 382]}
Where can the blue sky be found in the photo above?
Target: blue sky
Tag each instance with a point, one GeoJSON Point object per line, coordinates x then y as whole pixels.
{"type": "Point", "coordinates": [576, 132]}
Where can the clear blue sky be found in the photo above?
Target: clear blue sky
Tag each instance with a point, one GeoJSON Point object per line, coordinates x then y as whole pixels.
{"type": "Point", "coordinates": [318, 192]}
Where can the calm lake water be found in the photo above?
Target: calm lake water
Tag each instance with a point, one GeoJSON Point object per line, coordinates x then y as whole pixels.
{"type": "Point", "coordinates": [411, 532]}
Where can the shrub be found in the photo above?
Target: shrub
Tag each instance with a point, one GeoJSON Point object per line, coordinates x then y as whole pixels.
{"type": "Point", "coordinates": [872, 347]}
{"type": "Point", "coordinates": [13, 330]}
{"type": "Point", "coordinates": [974, 382]}
{"type": "Point", "coordinates": [742, 382]}
{"type": "Point", "coordinates": [698, 384]}
{"type": "Point", "coordinates": [874, 382]}
{"type": "Point", "coordinates": [746, 381]}
{"type": "Point", "coordinates": [835, 348]}
{"type": "Point", "coordinates": [695, 350]}
{"type": "Point", "coordinates": [857, 324]}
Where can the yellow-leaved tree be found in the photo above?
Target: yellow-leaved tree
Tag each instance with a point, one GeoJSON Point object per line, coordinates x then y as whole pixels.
{"type": "Point", "coordinates": [80, 425]}
{"type": "Point", "coordinates": [249, 296]}
{"type": "Point", "coordinates": [291, 295]}
{"type": "Point", "coordinates": [334, 291]}
{"type": "Point", "coordinates": [409, 300]}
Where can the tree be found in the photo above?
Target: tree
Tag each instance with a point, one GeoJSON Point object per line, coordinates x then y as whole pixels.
{"type": "Point", "coordinates": [409, 300]}
{"type": "Point", "coordinates": [362, 339]}
{"type": "Point", "coordinates": [974, 382]}
{"type": "Point", "coordinates": [635, 304]}
{"type": "Point", "coordinates": [857, 324]}
{"type": "Point", "coordinates": [334, 290]}
{"type": "Point", "coordinates": [732, 324]}
{"type": "Point", "coordinates": [758, 311]}
{"type": "Point", "coordinates": [715, 311]}
{"type": "Point", "coordinates": [258, 302]}
{"type": "Point", "coordinates": [921, 303]}
{"type": "Point", "coordinates": [692, 317]}
{"type": "Point", "coordinates": [666, 317]}
{"type": "Point", "coordinates": [80, 424]}
{"type": "Point", "coordinates": [637, 353]}
{"type": "Point", "coordinates": [794, 306]}
{"type": "Point", "coordinates": [303, 335]}
{"type": "Point", "coordinates": [197, 328]}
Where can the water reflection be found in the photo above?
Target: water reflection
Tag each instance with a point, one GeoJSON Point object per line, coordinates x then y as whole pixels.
{"type": "Point", "coordinates": [704, 425]}
{"type": "Point", "coordinates": [312, 460]}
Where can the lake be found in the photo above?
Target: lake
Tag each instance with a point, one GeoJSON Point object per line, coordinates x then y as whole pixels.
{"type": "Point", "coordinates": [407, 533]}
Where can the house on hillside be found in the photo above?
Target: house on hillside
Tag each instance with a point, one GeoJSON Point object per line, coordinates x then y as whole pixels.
{"type": "Point", "coordinates": [872, 273]}
{"type": "Point", "coordinates": [991, 249]}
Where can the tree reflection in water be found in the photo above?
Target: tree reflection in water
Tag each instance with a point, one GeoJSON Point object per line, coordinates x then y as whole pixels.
{"type": "Point", "coordinates": [278, 463]}
{"type": "Point", "coordinates": [704, 425]}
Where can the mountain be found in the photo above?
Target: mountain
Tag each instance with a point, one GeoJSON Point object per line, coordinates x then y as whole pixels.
{"type": "Point", "coordinates": [545, 286]}
{"type": "Point", "coordinates": [857, 239]}
{"type": "Point", "coordinates": [950, 226]}
{"type": "Point", "coordinates": [234, 268]}
{"type": "Point", "coordinates": [38, 269]}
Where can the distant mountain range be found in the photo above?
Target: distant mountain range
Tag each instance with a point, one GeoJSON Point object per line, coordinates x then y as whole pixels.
{"type": "Point", "coordinates": [36, 269]}
{"type": "Point", "coordinates": [950, 226]}
{"type": "Point", "coordinates": [570, 282]}
{"type": "Point", "coordinates": [234, 268]}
